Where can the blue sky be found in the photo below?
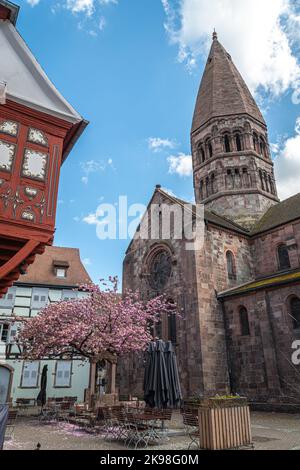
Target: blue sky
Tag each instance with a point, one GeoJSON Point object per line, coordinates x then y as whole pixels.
{"type": "Point", "coordinates": [132, 68]}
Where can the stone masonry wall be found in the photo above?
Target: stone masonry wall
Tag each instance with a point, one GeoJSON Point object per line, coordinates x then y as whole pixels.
{"type": "Point", "coordinates": [265, 249]}
{"type": "Point", "coordinates": [261, 363]}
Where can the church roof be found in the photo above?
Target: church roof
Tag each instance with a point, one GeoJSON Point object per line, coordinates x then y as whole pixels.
{"type": "Point", "coordinates": [280, 214]}
{"type": "Point", "coordinates": [223, 91]}
{"type": "Point", "coordinates": [263, 283]}
{"type": "Point", "coordinates": [210, 216]}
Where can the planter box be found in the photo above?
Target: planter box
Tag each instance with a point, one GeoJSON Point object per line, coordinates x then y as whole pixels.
{"type": "Point", "coordinates": [224, 424]}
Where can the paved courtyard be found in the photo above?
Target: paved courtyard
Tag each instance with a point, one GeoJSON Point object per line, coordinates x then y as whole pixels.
{"type": "Point", "coordinates": [271, 431]}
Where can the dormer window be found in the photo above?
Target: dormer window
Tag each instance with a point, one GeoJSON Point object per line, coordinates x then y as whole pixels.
{"type": "Point", "coordinates": [60, 269]}
{"type": "Point", "coordinates": [61, 272]}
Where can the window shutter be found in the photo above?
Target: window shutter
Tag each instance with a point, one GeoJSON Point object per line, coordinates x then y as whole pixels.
{"type": "Point", "coordinates": [30, 374]}
{"type": "Point", "coordinates": [63, 374]}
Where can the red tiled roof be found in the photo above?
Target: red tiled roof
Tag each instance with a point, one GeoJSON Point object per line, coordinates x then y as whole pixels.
{"type": "Point", "coordinates": [42, 270]}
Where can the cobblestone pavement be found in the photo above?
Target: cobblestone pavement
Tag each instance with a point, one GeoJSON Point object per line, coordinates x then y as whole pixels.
{"type": "Point", "coordinates": [270, 431]}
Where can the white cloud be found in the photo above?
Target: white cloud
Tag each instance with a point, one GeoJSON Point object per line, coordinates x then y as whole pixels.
{"type": "Point", "coordinates": [94, 166]}
{"type": "Point", "coordinates": [102, 23]}
{"type": "Point", "coordinates": [33, 3]}
{"type": "Point", "coordinates": [87, 262]}
{"type": "Point", "coordinates": [87, 7]}
{"type": "Point", "coordinates": [81, 6]}
{"type": "Point", "coordinates": [287, 165]}
{"type": "Point", "coordinates": [259, 35]}
{"type": "Point", "coordinates": [180, 164]}
{"type": "Point", "coordinates": [94, 218]}
{"type": "Point", "coordinates": [156, 144]}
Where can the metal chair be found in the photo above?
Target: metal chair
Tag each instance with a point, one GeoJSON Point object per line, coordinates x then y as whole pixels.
{"type": "Point", "coordinates": [191, 423]}
{"type": "Point", "coordinates": [11, 422]}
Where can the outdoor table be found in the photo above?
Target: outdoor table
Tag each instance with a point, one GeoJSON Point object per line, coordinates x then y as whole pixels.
{"type": "Point", "coordinates": [147, 421]}
{"type": "Point", "coordinates": [50, 412]}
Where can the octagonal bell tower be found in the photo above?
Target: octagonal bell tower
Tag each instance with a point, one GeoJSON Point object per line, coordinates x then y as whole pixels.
{"type": "Point", "coordinates": [233, 170]}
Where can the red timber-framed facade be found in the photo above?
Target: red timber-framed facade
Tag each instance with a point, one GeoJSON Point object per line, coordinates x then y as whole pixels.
{"type": "Point", "coordinates": [37, 131]}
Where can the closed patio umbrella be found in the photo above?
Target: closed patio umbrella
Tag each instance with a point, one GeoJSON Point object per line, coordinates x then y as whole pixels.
{"type": "Point", "coordinates": [161, 380]}
{"type": "Point", "coordinates": [42, 398]}
{"type": "Point", "coordinates": [3, 421]}
{"type": "Point", "coordinates": [175, 396]}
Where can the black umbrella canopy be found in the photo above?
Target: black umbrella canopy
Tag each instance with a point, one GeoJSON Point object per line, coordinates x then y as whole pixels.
{"type": "Point", "coordinates": [161, 380]}
{"type": "Point", "coordinates": [175, 396]}
{"type": "Point", "coordinates": [3, 422]}
{"type": "Point", "coordinates": [42, 398]}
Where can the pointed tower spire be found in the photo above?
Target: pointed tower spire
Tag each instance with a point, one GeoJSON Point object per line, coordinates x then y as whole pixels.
{"type": "Point", "coordinates": [223, 91]}
{"type": "Point", "coordinates": [233, 169]}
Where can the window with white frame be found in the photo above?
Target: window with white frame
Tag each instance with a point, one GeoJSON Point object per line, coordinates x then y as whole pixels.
{"type": "Point", "coordinates": [69, 294]}
{"type": "Point", "coordinates": [13, 331]}
{"type": "Point", "coordinates": [63, 374]}
{"type": "Point", "coordinates": [39, 297]}
{"type": "Point", "coordinates": [9, 299]}
{"type": "Point", "coordinates": [61, 272]}
{"type": "Point", "coordinates": [4, 331]}
{"type": "Point", "coordinates": [30, 374]}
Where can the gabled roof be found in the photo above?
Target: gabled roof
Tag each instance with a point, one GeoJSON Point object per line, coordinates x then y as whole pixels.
{"type": "Point", "coordinates": [42, 271]}
{"type": "Point", "coordinates": [9, 11]}
{"type": "Point", "coordinates": [223, 91]}
{"type": "Point", "coordinates": [27, 83]}
{"type": "Point", "coordinates": [209, 216]}
{"type": "Point", "coordinates": [279, 214]}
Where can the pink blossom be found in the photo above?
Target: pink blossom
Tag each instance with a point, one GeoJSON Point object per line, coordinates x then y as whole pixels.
{"type": "Point", "coordinates": [101, 326]}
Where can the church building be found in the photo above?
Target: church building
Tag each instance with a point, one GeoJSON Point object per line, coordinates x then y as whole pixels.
{"type": "Point", "coordinates": [240, 293]}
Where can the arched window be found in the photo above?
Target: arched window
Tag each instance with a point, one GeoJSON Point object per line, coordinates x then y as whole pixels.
{"type": "Point", "coordinates": [246, 178]}
{"type": "Point", "coordinates": [230, 265]}
{"type": "Point", "coordinates": [202, 155]}
{"type": "Point", "coordinates": [201, 190]}
{"type": "Point", "coordinates": [255, 141]}
{"type": "Point", "coordinates": [266, 182]}
{"type": "Point", "coordinates": [230, 179]}
{"type": "Point", "coordinates": [213, 183]}
{"type": "Point", "coordinates": [262, 146]}
{"type": "Point", "coordinates": [244, 322]}
{"type": "Point", "coordinates": [262, 180]}
{"type": "Point", "coordinates": [295, 312]}
{"type": "Point", "coordinates": [237, 178]}
{"type": "Point", "coordinates": [283, 257]}
{"type": "Point", "coordinates": [271, 185]}
{"type": "Point", "coordinates": [238, 142]}
{"type": "Point", "coordinates": [207, 187]}
{"type": "Point", "coordinates": [227, 143]}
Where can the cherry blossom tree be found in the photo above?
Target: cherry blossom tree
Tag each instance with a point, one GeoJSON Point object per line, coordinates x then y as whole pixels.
{"type": "Point", "coordinates": [99, 327]}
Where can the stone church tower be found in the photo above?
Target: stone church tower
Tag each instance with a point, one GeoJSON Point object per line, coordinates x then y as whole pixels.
{"type": "Point", "coordinates": [239, 293]}
{"type": "Point", "coordinates": [233, 170]}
